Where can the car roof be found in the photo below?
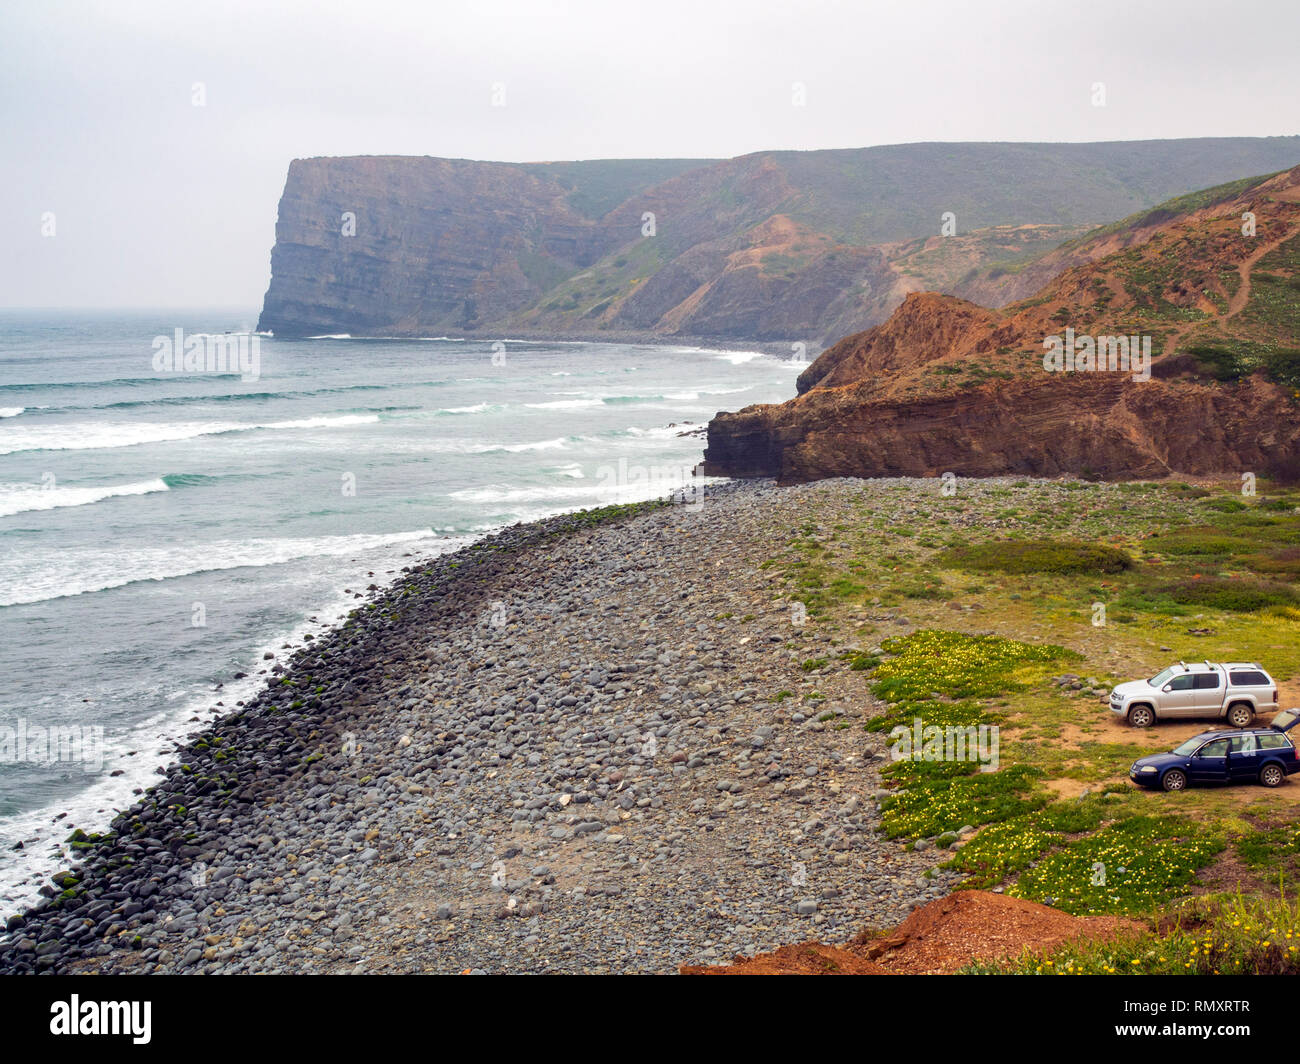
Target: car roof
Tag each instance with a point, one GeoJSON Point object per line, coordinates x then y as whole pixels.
{"type": "Point", "coordinates": [1228, 733]}
{"type": "Point", "coordinates": [1219, 733]}
{"type": "Point", "coordinates": [1206, 666]}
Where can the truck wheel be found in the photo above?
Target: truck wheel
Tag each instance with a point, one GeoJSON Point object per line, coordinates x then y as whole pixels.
{"type": "Point", "coordinates": [1240, 715]}
{"type": "Point", "coordinates": [1271, 775]}
{"type": "Point", "coordinates": [1174, 780]}
{"type": "Point", "coordinates": [1141, 717]}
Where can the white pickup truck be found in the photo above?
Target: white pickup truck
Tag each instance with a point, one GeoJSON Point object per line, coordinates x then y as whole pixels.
{"type": "Point", "coordinates": [1233, 691]}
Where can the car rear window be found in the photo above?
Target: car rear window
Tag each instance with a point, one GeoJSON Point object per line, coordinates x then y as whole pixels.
{"type": "Point", "coordinates": [1248, 678]}
{"type": "Point", "coordinates": [1273, 742]}
{"type": "Point", "coordinates": [1207, 680]}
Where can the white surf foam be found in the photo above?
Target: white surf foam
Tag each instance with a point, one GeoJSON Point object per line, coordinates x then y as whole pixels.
{"type": "Point", "coordinates": [24, 498]}
{"type": "Point", "coordinates": [566, 404]}
{"type": "Point", "coordinates": [43, 830]}
{"type": "Point", "coordinates": [477, 408]}
{"type": "Point", "coordinates": [83, 436]}
{"type": "Point", "coordinates": [76, 572]}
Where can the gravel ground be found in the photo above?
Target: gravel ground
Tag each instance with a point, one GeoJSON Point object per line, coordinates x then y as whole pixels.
{"type": "Point", "coordinates": [558, 750]}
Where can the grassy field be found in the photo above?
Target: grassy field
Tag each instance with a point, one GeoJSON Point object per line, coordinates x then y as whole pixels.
{"type": "Point", "coordinates": [1017, 605]}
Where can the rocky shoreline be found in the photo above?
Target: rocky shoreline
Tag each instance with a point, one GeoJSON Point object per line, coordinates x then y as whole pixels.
{"type": "Point", "coordinates": [645, 337]}
{"type": "Point", "coordinates": [569, 747]}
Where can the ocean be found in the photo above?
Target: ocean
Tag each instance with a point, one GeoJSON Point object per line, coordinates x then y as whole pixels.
{"type": "Point", "coordinates": [162, 528]}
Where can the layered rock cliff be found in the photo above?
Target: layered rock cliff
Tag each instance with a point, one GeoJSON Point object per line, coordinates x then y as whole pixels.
{"type": "Point", "coordinates": [397, 246]}
{"type": "Point", "coordinates": [796, 247]}
{"type": "Point", "coordinates": [949, 386]}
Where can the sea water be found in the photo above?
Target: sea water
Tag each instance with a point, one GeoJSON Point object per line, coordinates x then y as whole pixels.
{"type": "Point", "coordinates": [160, 530]}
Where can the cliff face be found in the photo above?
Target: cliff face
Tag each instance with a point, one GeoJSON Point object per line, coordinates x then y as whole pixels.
{"type": "Point", "coordinates": [948, 386]}
{"type": "Point", "coordinates": [797, 247]}
{"type": "Point", "coordinates": [1068, 424]}
{"type": "Point", "coordinates": [438, 244]}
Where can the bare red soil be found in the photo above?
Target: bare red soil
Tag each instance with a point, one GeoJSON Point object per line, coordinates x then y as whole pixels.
{"type": "Point", "coordinates": [937, 939]}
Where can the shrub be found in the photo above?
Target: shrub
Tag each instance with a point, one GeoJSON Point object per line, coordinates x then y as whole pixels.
{"type": "Point", "coordinates": [1234, 596]}
{"type": "Point", "coordinates": [922, 589]}
{"type": "Point", "coordinates": [1284, 366]}
{"type": "Point", "coordinates": [1038, 556]}
{"type": "Point", "coordinates": [861, 660]}
{"type": "Point", "coordinates": [1199, 541]}
{"type": "Point", "coordinates": [1219, 362]}
{"type": "Point", "coordinates": [1225, 504]}
{"type": "Point", "coordinates": [1285, 561]}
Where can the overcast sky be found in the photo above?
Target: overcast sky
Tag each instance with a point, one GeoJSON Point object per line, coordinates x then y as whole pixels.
{"type": "Point", "coordinates": [158, 202]}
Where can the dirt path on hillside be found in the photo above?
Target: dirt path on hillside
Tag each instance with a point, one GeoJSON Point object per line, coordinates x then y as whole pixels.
{"type": "Point", "coordinates": [1237, 303]}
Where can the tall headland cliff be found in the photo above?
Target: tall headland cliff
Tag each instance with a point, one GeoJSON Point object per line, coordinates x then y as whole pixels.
{"type": "Point", "coordinates": [776, 247]}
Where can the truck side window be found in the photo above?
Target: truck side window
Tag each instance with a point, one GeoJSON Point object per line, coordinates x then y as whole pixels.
{"type": "Point", "coordinates": [1248, 678]}
{"type": "Point", "coordinates": [1206, 681]}
{"type": "Point", "coordinates": [1181, 683]}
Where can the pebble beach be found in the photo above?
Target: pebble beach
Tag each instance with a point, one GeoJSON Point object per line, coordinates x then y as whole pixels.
{"type": "Point", "coordinates": [565, 748]}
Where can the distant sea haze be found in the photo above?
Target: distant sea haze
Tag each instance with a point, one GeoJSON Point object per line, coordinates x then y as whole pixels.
{"type": "Point", "coordinates": [160, 529]}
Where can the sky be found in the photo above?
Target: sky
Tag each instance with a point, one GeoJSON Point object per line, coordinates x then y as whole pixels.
{"type": "Point", "coordinates": [145, 144]}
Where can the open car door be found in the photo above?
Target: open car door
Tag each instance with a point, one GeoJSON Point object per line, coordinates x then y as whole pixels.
{"type": "Point", "coordinates": [1286, 720]}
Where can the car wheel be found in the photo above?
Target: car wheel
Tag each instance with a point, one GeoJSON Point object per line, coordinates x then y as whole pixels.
{"type": "Point", "coordinates": [1174, 780]}
{"type": "Point", "coordinates": [1240, 715]}
{"type": "Point", "coordinates": [1271, 775]}
{"type": "Point", "coordinates": [1141, 717]}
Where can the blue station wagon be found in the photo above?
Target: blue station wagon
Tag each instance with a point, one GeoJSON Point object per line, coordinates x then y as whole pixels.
{"type": "Point", "coordinates": [1241, 755]}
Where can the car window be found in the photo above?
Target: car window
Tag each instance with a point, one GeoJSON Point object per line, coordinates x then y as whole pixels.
{"type": "Point", "coordinates": [1188, 747]}
{"type": "Point", "coordinates": [1206, 681]}
{"type": "Point", "coordinates": [1274, 742]}
{"type": "Point", "coordinates": [1159, 679]}
{"type": "Point", "coordinates": [1242, 744]}
{"type": "Point", "coordinates": [1181, 683]}
{"type": "Point", "coordinates": [1218, 748]}
{"type": "Point", "coordinates": [1248, 678]}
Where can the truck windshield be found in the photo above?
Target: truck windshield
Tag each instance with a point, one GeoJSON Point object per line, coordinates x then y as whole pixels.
{"type": "Point", "coordinates": [1163, 678]}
